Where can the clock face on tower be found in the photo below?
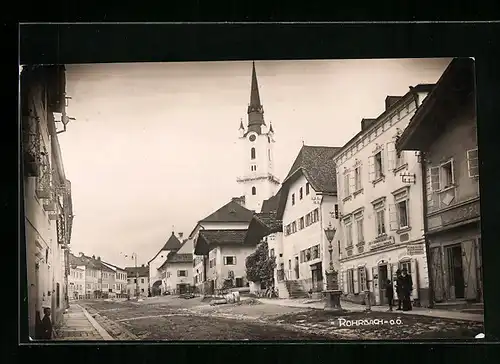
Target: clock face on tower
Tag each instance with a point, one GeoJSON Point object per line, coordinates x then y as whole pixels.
{"type": "Point", "coordinates": [252, 138]}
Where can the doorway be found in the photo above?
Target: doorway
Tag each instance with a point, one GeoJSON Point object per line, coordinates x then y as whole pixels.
{"type": "Point", "coordinates": [382, 280]}
{"type": "Point", "coordinates": [317, 277]}
{"type": "Point", "coordinates": [455, 272]}
{"type": "Point", "coordinates": [297, 268]}
{"type": "Point", "coordinates": [182, 288]}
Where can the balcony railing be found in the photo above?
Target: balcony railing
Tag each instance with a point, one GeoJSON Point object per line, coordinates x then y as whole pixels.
{"type": "Point", "coordinates": [31, 146]}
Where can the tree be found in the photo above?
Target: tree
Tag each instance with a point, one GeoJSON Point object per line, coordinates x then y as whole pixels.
{"type": "Point", "coordinates": [260, 266]}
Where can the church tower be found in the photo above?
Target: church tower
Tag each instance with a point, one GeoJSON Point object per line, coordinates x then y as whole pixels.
{"type": "Point", "coordinates": [257, 140]}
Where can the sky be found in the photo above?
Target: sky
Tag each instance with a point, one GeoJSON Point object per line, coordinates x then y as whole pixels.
{"type": "Point", "coordinates": [153, 147]}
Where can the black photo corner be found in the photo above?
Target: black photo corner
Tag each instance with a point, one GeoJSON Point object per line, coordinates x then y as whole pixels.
{"type": "Point", "coordinates": [66, 44]}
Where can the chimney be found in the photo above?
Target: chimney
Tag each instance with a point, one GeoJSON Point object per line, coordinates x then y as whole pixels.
{"type": "Point", "coordinates": [391, 100]}
{"type": "Point", "coordinates": [366, 123]}
{"type": "Point", "coordinates": [142, 265]}
{"type": "Point", "coordinates": [181, 235]}
{"type": "Point", "coordinates": [81, 254]}
{"type": "Point", "coordinates": [93, 256]}
{"type": "Point", "coordinates": [99, 258]}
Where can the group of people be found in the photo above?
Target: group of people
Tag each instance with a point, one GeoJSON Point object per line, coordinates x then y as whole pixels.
{"type": "Point", "coordinates": [404, 287]}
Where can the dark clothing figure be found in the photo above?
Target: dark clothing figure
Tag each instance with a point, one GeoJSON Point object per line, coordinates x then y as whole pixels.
{"type": "Point", "coordinates": [38, 326]}
{"type": "Point", "coordinates": [399, 284]}
{"type": "Point", "coordinates": [46, 328]}
{"type": "Point", "coordinates": [389, 293]}
{"type": "Point", "coordinates": [406, 288]}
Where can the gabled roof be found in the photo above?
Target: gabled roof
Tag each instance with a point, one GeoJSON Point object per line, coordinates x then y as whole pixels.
{"type": "Point", "coordinates": [176, 257]}
{"type": "Point", "coordinates": [272, 203]}
{"type": "Point", "coordinates": [262, 224]}
{"type": "Point", "coordinates": [316, 164]}
{"type": "Point", "coordinates": [211, 238]}
{"type": "Point", "coordinates": [172, 244]}
{"type": "Point", "coordinates": [113, 266]}
{"type": "Point", "coordinates": [89, 263]}
{"type": "Point", "coordinates": [142, 271]}
{"type": "Point", "coordinates": [451, 92]}
{"type": "Point", "coordinates": [230, 212]}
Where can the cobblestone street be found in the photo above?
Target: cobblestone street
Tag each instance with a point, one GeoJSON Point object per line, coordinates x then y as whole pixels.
{"type": "Point", "coordinates": [173, 318]}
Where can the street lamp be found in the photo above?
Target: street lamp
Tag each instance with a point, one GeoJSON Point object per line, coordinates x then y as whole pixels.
{"type": "Point", "coordinates": [332, 292]}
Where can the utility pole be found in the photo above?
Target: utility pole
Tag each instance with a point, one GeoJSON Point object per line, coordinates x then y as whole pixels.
{"type": "Point", "coordinates": [136, 277]}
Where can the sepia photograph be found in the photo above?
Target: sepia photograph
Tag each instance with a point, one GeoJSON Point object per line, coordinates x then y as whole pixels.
{"type": "Point", "coordinates": [284, 200]}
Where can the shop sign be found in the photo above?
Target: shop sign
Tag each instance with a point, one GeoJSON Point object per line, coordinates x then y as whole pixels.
{"type": "Point", "coordinates": [415, 249]}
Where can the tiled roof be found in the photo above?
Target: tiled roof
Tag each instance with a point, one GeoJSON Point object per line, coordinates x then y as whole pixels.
{"type": "Point", "coordinates": [208, 238]}
{"type": "Point", "coordinates": [271, 204]}
{"type": "Point", "coordinates": [173, 243]}
{"type": "Point", "coordinates": [230, 212]}
{"type": "Point", "coordinates": [180, 258]}
{"type": "Point", "coordinates": [89, 263]}
{"type": "Point", "coordinates": [316, 163]}
{"type": "Point", "coordinates": [142, 271]}
{"type": "Point", "coordinates": [263, 224]}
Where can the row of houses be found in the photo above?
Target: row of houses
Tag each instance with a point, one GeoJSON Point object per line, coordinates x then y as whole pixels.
{"type": "Point", "coordinates": [48, 210]}
{"type": "Point", "coordinates": [93, 278]}
{"type": "Point", "coordinates": [402, 193]}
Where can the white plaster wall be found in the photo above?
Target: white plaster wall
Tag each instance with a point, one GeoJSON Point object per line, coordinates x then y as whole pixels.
{"type": "Point", "coordinates": [173, 280]}
{"type": "Point", "coordinates": [241, 253]}
{"type": "Point", "coordinates": [311, 235]}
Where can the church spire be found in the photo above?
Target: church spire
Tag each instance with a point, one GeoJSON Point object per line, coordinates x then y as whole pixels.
{"type": "Point", "coordinates": [255, 110]}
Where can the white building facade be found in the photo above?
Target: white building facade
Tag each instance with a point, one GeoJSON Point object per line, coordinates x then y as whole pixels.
{"type": "Point", "coordinates": [380, 206]}
{"type": "Point", "coordinates": [306, 208]}
{"type": "Point", "coordinates": [76, 283]}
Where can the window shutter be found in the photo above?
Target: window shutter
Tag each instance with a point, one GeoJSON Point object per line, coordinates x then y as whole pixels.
{"type": "Point", "coordinates": [473, 163]}
{"type": "Point", "coordinates": [393, 218]}
{"type": "Point", "coordinates": [469, 264]}
{"type": "Point", "coordinates": [352, 186]}
{"type": "Point", "coordinates": [452, 172]}
{"type": "Point", "coordinates": [355, 280]}
{"type": "Point", "coordinates": [371, 168]}
{"type": "Point", "coordinates": [345, 283]}
{"type": "Point", "coordinates": [391, 156]}
{"type": "Point", "coordinates": [234, 260]}
{"type": "Point", "coordinates": [435, 181]}
{"type": "Point", "coordinates": [374, 283]}
{"type": "Point", "coordinates": [414, 278]}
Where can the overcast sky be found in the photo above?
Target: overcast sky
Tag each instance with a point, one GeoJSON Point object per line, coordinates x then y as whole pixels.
{"type": "Point", "coordinates": [154, 144]}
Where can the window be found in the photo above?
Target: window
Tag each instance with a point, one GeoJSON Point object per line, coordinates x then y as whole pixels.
{"type": "Point", "coordinates": [252, 153]}
{"type": "Point", "coordinates": [446, 176]}
{"type": "Point", "coordinates": [135, 280]}
{"type": "Point", "coordinates": [315, 216]}
{"type": "Point", "coordinates": [473, 163]}
{"type": "Point", "coordinates": [407, 265]}
{"type": "Point", "coordinates": [229, 260]}
{"type": "Point", "coordinates": [288, 229]}
{"type": "Point", "coordinates": [346, 185]}
{"type": "Point", "coordinates": [301, 223]}
{"type": "Point", "coordinates": [253, 167]}
{"type": "Point", "coordinates": [254, 191]}
{"type": "Point", "coordinates": [378, 165]}
{"type": "Point", "coordinates": [182, 273]}
{"type": "Point", "coordinates": [307, 188]}
{"type": "Point", "coordinates": [357, 178]}
{"type": "Point", "coordinates": [308, 219]}
{"type": "Point", "coordinates": [293, 199]}
{"type": "Point", "coordinates": [300, 193]}
{"type": "Point", "coordinates": [348, 232]}
{"type": "Point", "coordinates": [239, 282]}
{"type": "Point", "coordinates": [359, 230]}
{"type": "Point", "coordinates": [294, 227]}
{"type": "Point", "coordinates": [142, 280]}
{"type": "Point", "coordinates": [350, 281]}
{"type": "Point", "coordinates": [271, 253]}
{"type": "Point", "coordinates": [400, 159]}
{"type": "Point", "coordinates": [402, 213]}
{"type": "Point", "coordinates": [380, 221]}
{"type": "Point", "coordinates": [142, 290]}
{"type": "Point", "coordinates": [362, 279]}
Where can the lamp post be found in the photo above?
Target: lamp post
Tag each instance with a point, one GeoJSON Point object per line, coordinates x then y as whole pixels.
{"type": "Point", "coordinates": [332, 292]}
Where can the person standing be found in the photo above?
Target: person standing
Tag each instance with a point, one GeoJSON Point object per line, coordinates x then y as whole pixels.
{"type": "Point", "coordinates": [407, 287]}
{"type": "Point", "coordinates": [389, 293]}
{"type": "Point", "coordinates": [399, 283]}
{"type": "Point", "coordinates": [46, 328]}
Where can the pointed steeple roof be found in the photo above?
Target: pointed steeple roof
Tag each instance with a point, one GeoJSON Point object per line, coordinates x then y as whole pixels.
{"type": "Point", "coordinates": [254, 92]}
{"type": "Point", "coordinates": [172, 243]}
{"type": "Point", "coordinates": [271, 130]}
{"type": "Point", "coordinates": [241, 125]}
{"type": "Point", "coordinates": [255, 110]}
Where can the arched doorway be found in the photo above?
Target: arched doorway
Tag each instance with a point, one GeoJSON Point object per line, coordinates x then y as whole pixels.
{"type": "Point", "coordinates": [156, 288]}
